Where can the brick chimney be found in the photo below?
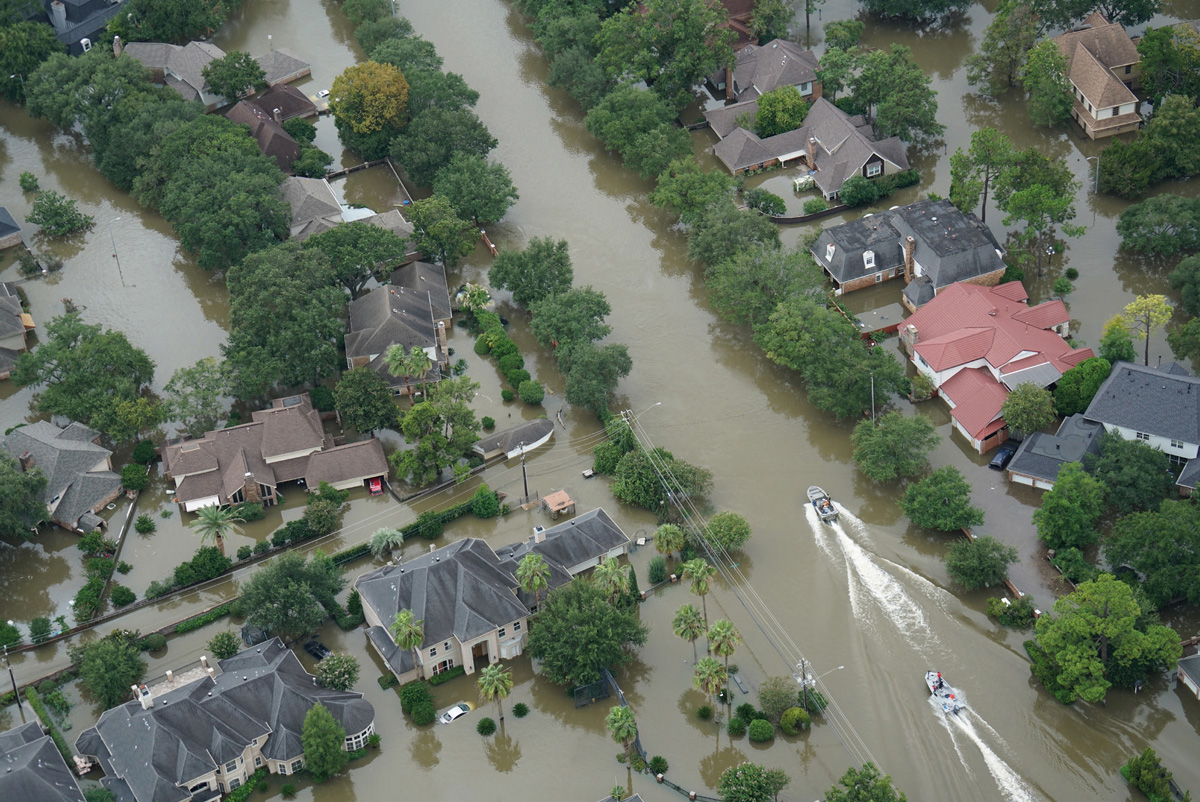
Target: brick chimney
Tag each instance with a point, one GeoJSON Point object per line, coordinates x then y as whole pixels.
{"type": "Point", "coordinates": [118, 47]}
{"type": "Point", "coordinates": [910, 246]}
{"type": "Point", "coordinates": [26, 460]}
{"type": "Point", "coordinates": [812, 153]}
{"type": "Point", "coordinates": [729, 83]}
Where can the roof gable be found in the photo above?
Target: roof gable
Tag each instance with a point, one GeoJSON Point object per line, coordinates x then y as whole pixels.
{"type": "Point", "coordinates": [1146, 400]}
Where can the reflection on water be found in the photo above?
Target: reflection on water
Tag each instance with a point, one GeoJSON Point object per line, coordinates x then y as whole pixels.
{"type": "Point", "coordinates": [502, 751]}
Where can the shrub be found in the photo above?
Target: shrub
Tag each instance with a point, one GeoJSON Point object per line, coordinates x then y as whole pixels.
{"type": "Point", "coordinates": [859, 191]}
{"type": "Point", "coordinates": [510, 362]}
{"type": "Point", "coordinates": [144, 525]}
{"type": "Point", "coordinates": [760, 731]}
{"type": "Point", "coordinates": [429, 524]}
{"type": "Point", "coordinates": [249, 511]}
{"type": "Point", "coordinates": [244, 552]}
{"type": "Point", "coordinates": [154, 643]}
{"type": "Point", "coordinates": [794, 720]}
{"type": "Point", "coordinates": [373, 740]}
{"type": "Point", "coordinates": [28, 182]}
{"type": "Point", "coordinates": [516, 377]}
{"type": "Point", "coordinates": [506, 395]}
{"type": "Point", "coordinates": [124, 567]}
{"type": "Point", "coordinates": [1071, 274]}
{"type": "Point", "coordinates": [9, 635]}
{"type": "Point", "coordinates": [387, 681]}
{"type": "Point", "coordinates": [28, 265]}
{"type": "Point", "coordinates": [158, 588]}
{"type": "Point", "coordinates": [482, 345]}
{"type": "Point", "coordinates": [423, 714]}
{"type": "Point", "coordinates": [143, 452]}
{"type": "Point", "coordinates": [338, 672]}
{"type": "Point", "coordinates": [814, 205]}
{"type": "Point", "coordinates": [39, 629]}
{"type": "Point", "coordinates": [262, 547]}
{"type": "Point", "coordinates": [1018, 614]}
{"type": "Point", "coordinates": [488, 423]}
{"type": "Point", "coordinates": [816, 700]}
{"type": "Point", "coordinates": [413, 695]}
{"type": "Point", "coordinates": [658, 765]}
{"type": "Point", "coordinates": [531, 392]}
{"type": "Point", "coordinates": [133, 477]}
{"type": "Point", "coordinates": [224, 644]}
{"type": "Point", "coordinates": [288, 791]}
{"type": "Point", "coordinates": [638, 763]}
{"type": "Point", "coordinates": [447, 675]}
{"type": "Point", "coordinates": [1074, 565]}
{"type": "Point", "coordinates": [484, 503]}
{"type": "Point", "coordinates": [760, 200]}
{"type": "Point", "coordinates": [704, 712]}
{"type": "Point", "coordinates": [322, 399]}
{"type": "Point", "coordinates": [745, 711]}
{"type": "Point", "coordinates": [736, 727]}
{"type": "Point", "coordinates": [520, 710]}
{"type": "Point", "coordinates": [503, 347]}
{"type": "Point", "coordinates": [485, 727]}
{"type": "Point", "coordinates": [658, 570]}
{"type": "Point", "coordinates": [122, 596]}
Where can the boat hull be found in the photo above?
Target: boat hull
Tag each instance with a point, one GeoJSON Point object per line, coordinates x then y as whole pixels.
{"type": "Point", "coordinates": [943, 692]}
{"type": "Point", "coordinates": [823, 504]}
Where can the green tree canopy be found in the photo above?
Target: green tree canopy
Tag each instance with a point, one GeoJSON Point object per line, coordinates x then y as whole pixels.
{"type": "Point", "coordinates": [1143, 315]}
{"type": "Point", "coordinates": [572, 318]}
{"type": "Point", "coordinates": [369, 97]}
{"type": "Point", "coordinates": [1071, 509]}
{"type": "Point", "coordinates": [1116, 343]}
{"type": "Point", "coordinates": [723, 233]}
{"type": "Point", "coordinates": [1066, 13]}
{"type": "Point", "coordinates": [727, 530]}
{"type": "Point", "coordinates": [478, 189]}
{"type": "Point", "coordinates": [542, 269]}
{"type": "Point", "coordinates": [749, 286]}
{"type": "Point", "coordinates": [364, 400]}
{"type": "Point", "coordinates": [973, 172]}
{"type": "Point", "coordinates": [688, 190]}
{"type": "Point", "coordinates": [980, 562]}
{"type": "Point", "coordinates": [1171, 135]}
{"type": "Point", "coordinates": [593, 371]}
{"type": "Point", "coordinates": [1096, 630]}
{"type": "Point", "coordinates": [286, 596]}
{"type": "Point", "coordinates": [636, 482]}
{"type": "Point", "coordinates": [233, 75]}
{"type": "Point", "coordinates": [1170, 62]}
{"type": "Point", "coordinates": [435, 136]}
{"type": "Point", "coordinates": [177, 21]}
{"type": "Point", "coordinates": [1163, 547]}
{"type": "Point", "coordinates": [578, 632]}
{"type": "Point", "coordinates": [1078, 386]}
{"type": "Point", "coordinates": [864, 785]}
{"type": "Point", "coordinates": [57, 215]}
{"type": "Point", "coordinates": [285, 309]}
{"type": "Point", "coordinates": [1044, 77]}
{"type": "Point", "coordinates": [750, 782]}
{"type": "Point", "coordinates": [358, 252]}
{"type": "Point", "coordinates": [23, 47]}
{"type": "Point", "coordinates": [996, 66]}
{"type": "Point", "coordinates": [942, 500]}
{"type": "Point", "coordinates": [898, 94]}
{"type": "Point", "coordinates": [625, 114]}
{"type": "Point", "coordinates": [439, 431]}
{"type": "Point", "coordinates": [322, 738]}
{"type": "Point", "coordinates": [84, 373]}
{"type": "Point", "coordinates": [109, 666]}
{"type": "Point", "coordinates": [1136, 475]}
{"type": "Point", "coordinates": [1164, 225]}
{"type": "Point", "coordinates": [894, 447]}
{"type": "Point", "coordinates": [338, 672]}
{"type": "Point", "coordinates": [195, 395]}
{"type": "Point", "coordinates": [439, 233]}
{"type": "Point", "coordinates": [915, 9]}
{"type": "Point", "coordinates": [1028, 408]}
{"type": "Point", "coordinates": [779, 111]}
{"type": "Point", "coordinates": [21, 505]}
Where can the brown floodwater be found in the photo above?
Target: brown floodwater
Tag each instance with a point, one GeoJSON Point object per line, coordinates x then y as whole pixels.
{"type": "Point", "coordinates": [870, 594]}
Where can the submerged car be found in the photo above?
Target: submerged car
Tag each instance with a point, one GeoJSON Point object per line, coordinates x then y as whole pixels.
{"type": "Point", "coordinates": [323, 93]}
{"type": "Point", "coordinates": [460, 709]}
{"type": "Point", "coordinates": [376, 486]}
{"type": "Point", "coordinates": [1002, 458]}
{"type": "Point", "coordinates": [317, 649]}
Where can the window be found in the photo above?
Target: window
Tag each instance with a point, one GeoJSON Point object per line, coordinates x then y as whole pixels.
{"type": "Point", "coordinates": [1115, 110]}
{"type": "Point", "coordinates": [829, 252]}
{"type": "Point", "coordinates": [234, 784]}
{"type": "Point", "coordinates": [874, 169]}
{"type": "Point", "coordinates": [1143, 436]}
{"type": "Point", "coordinates": [444, 665]}
{"type": "Point", "coordinates": [433, 652]}
{"type": "Point", "coordinates": [501, 632]}
{"type": "Point", "coordinates": [869, 259]}
{"type": "Point", "coordinates": [878, 277]}
{"type": "Point", "coordinates": [446, 646]}
{"type": "Point", "coordinates": [1176, 444]}
{"type": "Point", "coordinates": [1128, 69]}
{"type": "Point", "coordinates": [806, 88]}
{"type": "Point", "coordinates": [282, 768]}
{"type": "Point", "coordinates": [231, 766]}
{"type": "Point", "coordinates": [297, 765]}
{"type": "Point", "coordinates": [517, 627]}
{"type": "Point", "coordinates": [257, 762]}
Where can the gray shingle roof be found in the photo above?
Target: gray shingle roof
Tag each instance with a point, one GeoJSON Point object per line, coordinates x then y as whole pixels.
{"type": "Point", "coordinates": [76, 468]}
{"type": "Point", "coordinates": [314, 206]}
{"type": "Point", "coordinates": [770, 66]}
{"type": "Point", "coordinates": [1042, 455]}
{"type": "Point", "coordinates": [391, 316]}
{"type": "Point", "coordinates": [424, 277]}
{"type": "Point", "coordinates": [1144, 399]}
{"type": "Point", "coordinates": [7, 224]}
{"type": "Point", "coordinates": [280, 64]}
{"type": "Point", "coordinates": [34, 770]}
{"type": "Point", "coordinates": [579, 540]}
{"type": "Point", "coordinates": [11, 324]}
{"type": "Point", "coordinates": [193, 729]}
{"type": "Point", "coordinates": [361, 460]}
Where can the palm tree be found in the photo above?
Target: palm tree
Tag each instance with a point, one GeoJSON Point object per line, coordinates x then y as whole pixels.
{"type": "Point", "coordinates": [534, 576]}
{"type": "Point", "coordinates": [669, 539]}
{"type": "Point", "coordinates": [494, 683]}
{"type": "Point", "coordinates": [710, 677]}
{"type": "Point", "coordinates": [610, 577]}
{"type": "Point", "coordinates": [409, 633]}
{"type": "Point", "coordinates": [215, 523]}
{"type": "Point", "coordinates": [386, 540]}
{"type": "Point", "coordinates": [689, 626]}
{"type": "Point", "coordinates": [699, 572]}
{"type": "Point", "coordinates": [396, 361]}
{"type": "Point", "coordinates": [420, 364]}
{"type": "Point", "coordinates": [724, 639]}
{"type": "Point", "coordinates": [622, 727]}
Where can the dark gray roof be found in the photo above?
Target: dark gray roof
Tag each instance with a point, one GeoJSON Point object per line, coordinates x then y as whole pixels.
{"type": "Point", "coordinates": [193, 729]}
{"type": "Point", "coordinates": [1189, 475]}
{"type": "Point", "coordinates": [75, 467]}
{"type": "Point", "coordinates": [1174, 368]}
{"type": "Point", "coordinates": [1157, 402]}
{"type": "Point", "coordinates": [11, 324]}
{"type": "Point", "coordinates": [768, 67]}
{"type": "Point", "coordinates": [919, 291]}
{"type": "Point", "coordinates": [949, 245]}
{"type": "Point", "coordinates": [34, 769]}
{"type": "Point", "coordinates": [399, 660]}
{"type": "Point", "coordinates": [1042, 455]}
{"type": "Point", "coordinates": [428, 277]}
{"type": "Point", "coordinates": [584, 537]}
{"type": "Point", "coordinates": [7, 224]}
{"type": "Point", "coordinates": [1191, 667]}
{"type": "Point", "coordinates": [389, 316]}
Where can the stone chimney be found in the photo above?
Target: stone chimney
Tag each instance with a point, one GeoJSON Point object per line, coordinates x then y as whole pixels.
{"type": "Point", "coordinates": [26, 460]}
{"type": "Point", "coordinates": [910, 247]}
{"type": "Point", "coordinates": [729, 83]}
{"type": "Point", "coordinates": [58, 16]}
{"type": "Point", "coordinates": [276, 115]}
{"type": "Point", "coordinates": [812, 153]}
{"type": "Point", "coordinates": [118, 47]}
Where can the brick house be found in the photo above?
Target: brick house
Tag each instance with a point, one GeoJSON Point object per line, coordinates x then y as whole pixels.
{"type": "Point", "coordinates": [10, 232]}
{"type": "Point", "coordinates": [930, 244]}
{"type": "Point", "coordinates": [759, 69]}
{"type": "Point", "coordinates": [1102, 69]}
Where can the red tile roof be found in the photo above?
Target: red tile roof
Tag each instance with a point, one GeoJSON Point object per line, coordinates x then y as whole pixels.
{"type": "Point", "coordinates": [977, 398]}
{"type": "Point", "coordinates": [1045, 315]}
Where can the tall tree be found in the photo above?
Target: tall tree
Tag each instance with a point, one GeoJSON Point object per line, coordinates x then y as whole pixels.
{"type": "Point", "coordinates": [571, 318]}
{"type": "Point", "coordinates": [669, 539]}
{"type": "Point", "coordinates": [369, 102]}
{"type": "Point", "coordinates": [1096, 629]}
{"type": "Point", "coordinates": [689, 625]}
{"type": "Point", "coordinates": [688, 190]}
{"type": "Point", "coordinates": [578, 633]}
{"type": "Point", "coordinates": [1170, 62]}
{"type": "Point", "coordinates": [177, 21]}
{"type": "Point", "coordinates": [403, 363]}
{"type": "Point", "coordinates": [84, 372]}
{"type": "Point", "coordinates": [611, 579]}
{"type": "Point", "coordinates": [699, 573]}
{"type": "Point", "coordinates": [233, 75]}
{"type": "Point", "coordinates": [1067, 13]}
{"type": "Point", "coordinates": [779, 111]}
{"type": "Point", "coordinates": [1143, 315]}
{"type": "Point", "coordinates": [214, 523]}
{"type": "Point", "coordinates": [495, 682]}
{"type": "Point", "coordinates": [727, 531]}
{"type": "Point", "coordinates": [435, 136]}
{"type": "Point", "coordinates": [288, 595]}
{"type": "Point", "coordinates": [439, 233]}
{"type": "Point", "coordinates": [942, 501]}
{"type": "Point", "coordinates": [1171, 135]}
{"type": "Point", "coordinates": [748, 287]}
{"type": "Point", "coordinates": [195, 395]}
{"type": "Point", "coordinates": [898, 95]}
{"type": "Point", "coordinates": [1135, 475]}
{"type": "Point", "coordinates": [670, 44]}
{"type": "Point", "coordinates": [710, 678]}
{"type": "Point", "coordinates": [1070, 509]}
{"type": "Point", "coordinates": [980, 562]}
{"type": "Point", "coordinates": [724, 639]}
{"type": "Point", "coordinates": [636, 481]}
{"type": "Point", "coordinates": [1039, 191]}
{"type": "Point", "coordinates": [622, 727]}
{"type": "Point", "coordinates": [542, 269]}
{"type": "Point", "coordinates": [1163, 547]}
{"type": "Point", "coordinates": [285, 322]}
{"type": "Point", "coordinates": [408, 632]}
{"type": "Point", "coordinates": [1185, 279]}
{"type": "Point", "coordinates": [1044, 77]}
{"type": "Point", "coordinates": [593, 372]}
{"type": "Point", "coordinates": [1164, 225]}
{"type": "Point", "coordinates": [23, 47]}
{"type": "Point", "coordinates": [1011, 34]}
{"type": "Point", "coordinates": [894, 447]}
{"type": "Point", "coordinates": [21, 505]}
{"type": "Point", "coordinates": [323, 738]}
{"type": "Point", "coordinates": [1028, 408]}
{"type": "Point", "coordinates": [533, 575]}
{"type": "Point", "coordinates": [1116, 342]}
{"type": "Point", "coordinates": [358, 252]}
{"type": "Point", "coordinates": [364, 401]}
{"type": "Point", "coordinates": [974, 171]}
{"type": "Point", "coordinates": [770, 18]}
{"type": "Point", "coordinates": [750, 782]}
{"type": "Point", "coordinates": [915, 9]}
{"type": "Point", "coordinates": [109, 666]}
{"type": "Point", "coordinates": [864, 785]}
{"type": "Point", "coordinates": [1078, 386]}
{"type": "Point", "coordinates": [722, 234]}
{"type": "Point", "coordinates": [477, 189]}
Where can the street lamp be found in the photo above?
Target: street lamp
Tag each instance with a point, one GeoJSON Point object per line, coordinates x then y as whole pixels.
{"type": "Point", "coordinates": [12, 678]}
{"type": "Point", "coordinates": [806, 682]}
{"type": "Point", "coordinates": [22, 77]}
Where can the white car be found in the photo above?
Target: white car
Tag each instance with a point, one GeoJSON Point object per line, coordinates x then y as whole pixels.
{"type": "Point", "coordinates": [323, 93]}
{"type": "Point", "coordinates": [460, 709]}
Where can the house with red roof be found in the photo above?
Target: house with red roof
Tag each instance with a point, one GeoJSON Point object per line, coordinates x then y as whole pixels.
{"type": "Point", "coordinates": [977, 343]}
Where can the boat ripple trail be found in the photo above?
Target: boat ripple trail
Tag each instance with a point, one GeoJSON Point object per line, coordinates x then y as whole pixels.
{"type": "Point", "coordinates": [821, 535]}
{"type": "Point", "coordinates": [1007, 780]}
{"type": "Point", "coordinates": [818, 530]}
{"type": "Point", "coordinates": [933, 702]}
{"type": "Point", "coordinates": [856, 524]}
{"type": "Point", "coordinates": [892, 598]}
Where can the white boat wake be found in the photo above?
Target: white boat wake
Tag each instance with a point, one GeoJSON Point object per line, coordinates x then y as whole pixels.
{"type": "Point", "coordinates": [1007, 780]}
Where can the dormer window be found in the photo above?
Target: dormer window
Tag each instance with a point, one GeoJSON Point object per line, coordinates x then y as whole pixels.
{"type": "Point", "coordinates": [829, 252]}
{"type": "Point", "coordinates": [869, 260]}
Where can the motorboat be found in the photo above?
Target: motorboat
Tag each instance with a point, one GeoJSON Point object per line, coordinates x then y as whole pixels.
{"type": "Point", "coordinates": [943, 693]}
{"type": "Point", "coordinates": [823, 504]}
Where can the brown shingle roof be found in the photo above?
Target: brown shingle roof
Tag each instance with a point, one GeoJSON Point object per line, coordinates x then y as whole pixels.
{"type": "Point", "coordinates": [1097, 82]}
{"type": "Point", "coordinates": [290, 102]}
{"type": "Point", "coordinates": [1093, 52]}
{"type": "Point", "coordinates": [361, 461]}
{"type": "Point", "coordinates": [272, 140]}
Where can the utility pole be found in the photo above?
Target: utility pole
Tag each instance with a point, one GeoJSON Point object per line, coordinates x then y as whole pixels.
{"type": "Point", "coordinates": [13, 680]}
{"type": "Point", "coordinates": [524, 475]}
{"type": "Point", "coordinates": [872, 398]}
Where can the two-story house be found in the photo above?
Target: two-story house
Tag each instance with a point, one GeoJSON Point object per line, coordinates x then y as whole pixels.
{"type": "Point", "coordinates": [188, 741]}
{"type": "Point", "coordinates": [247, 463]}
{"type": "Point", "coordinates": [10, 232]}
{"type": "Point", "coordinates": [758, 69]}
{"type": "Point", "coordinates": [15, 323]}
{"type": "Point", "coordinates": [977, 343]}
{"type": "Point", "coordinates": [930, 244]}
{"type": "Point", "coordinates": [34, 769]}
{"type": "Point", "coordinates": [1102, 69]}
{"type": "Point", "coordinates": [467, 594]}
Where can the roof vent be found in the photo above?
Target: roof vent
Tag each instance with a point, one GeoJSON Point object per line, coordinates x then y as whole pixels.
{"type": "Point", "coordinates": [934, 218]}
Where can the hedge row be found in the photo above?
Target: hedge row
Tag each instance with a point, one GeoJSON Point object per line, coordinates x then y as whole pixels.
{"type": "Point", "coordinates": [242, 792]}
{"type": "Point", "coordinates": [447, 675]}
{"type": "Point", "coordinates": [859, 191]}
{"type": "Point", "coordinates": [87, 600]}
{"type": "Point", "coordinates": [35, 701]}
{"type": "Point", "coordinates": [203, 620]}
{"type": "Point", "coordinates": [494, 341]}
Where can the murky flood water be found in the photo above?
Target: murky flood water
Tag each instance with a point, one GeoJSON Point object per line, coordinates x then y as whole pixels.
{"type": "Point", "coordinates": [870, 594]}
